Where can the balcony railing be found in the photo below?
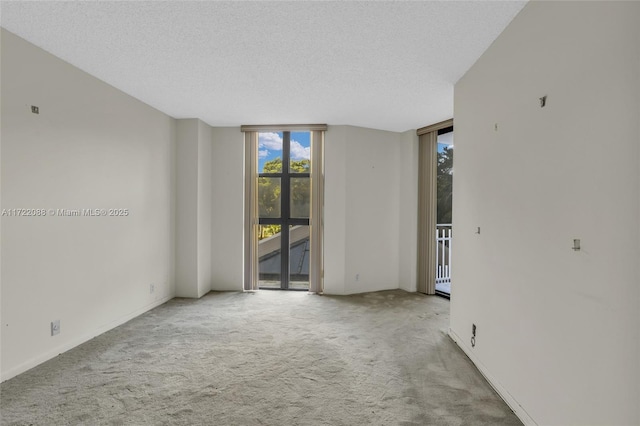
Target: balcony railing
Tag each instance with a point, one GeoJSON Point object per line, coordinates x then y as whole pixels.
{"type": "Point", "coordinates": [443, 257]}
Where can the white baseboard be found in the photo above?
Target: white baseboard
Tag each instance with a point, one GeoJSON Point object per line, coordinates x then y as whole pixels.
{"type": "Point", "coordinates": [29, 364]}
{"type": "Point", "coordinates": [495, 384]}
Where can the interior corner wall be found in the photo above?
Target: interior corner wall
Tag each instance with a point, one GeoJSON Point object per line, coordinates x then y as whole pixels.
{"type": "Point", "coordinates": [187, 208]}
{"type": "Point", "coordinates": [362, 212]}
{"type": "Point", "coordinates": [335, 227]}
{"type": "Point", "coordinates": [91, 147]}
{"type": "Point", "coordinates": [408, 205]}
{"type": "Point", "coordinates": [362, 223]}
{"type": "Point", "coordinates": [227, 216]}
{"type": "Point", "coordinates": [557, 329]}
{"type": "Point", "coordinates": [194, 208]}
{"type": "Point", "coordinates": [205, 207]}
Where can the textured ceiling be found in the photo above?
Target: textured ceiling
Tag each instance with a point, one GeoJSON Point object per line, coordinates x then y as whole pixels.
{"type": "Point", "coordinates": [384, 65]}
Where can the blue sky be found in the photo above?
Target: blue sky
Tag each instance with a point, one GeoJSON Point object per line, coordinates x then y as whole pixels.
{"type": "Point", "coordinates": [270, 146]}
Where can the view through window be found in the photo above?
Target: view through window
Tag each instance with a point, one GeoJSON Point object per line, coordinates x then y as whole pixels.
{"type": "Point", "coordinates": [444, 207]}
{"type": "Point", "coordinates": [284, 201]}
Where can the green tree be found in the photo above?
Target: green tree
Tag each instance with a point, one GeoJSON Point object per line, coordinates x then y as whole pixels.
{"type": "Point", "coordinates": [300, 189]}
{"type": "Point", "coordinates": [272, 166]}
{"type": "Point", "coordinates": [269, 193]}
{"type": "Point", "coordinates": [266, 231]}
{"type": "Point", "coordinates": [445, 185]}
{"type": "Point", "coordinates": [301, 166]}
{"type": "Point", "coordinates": [269, 197]}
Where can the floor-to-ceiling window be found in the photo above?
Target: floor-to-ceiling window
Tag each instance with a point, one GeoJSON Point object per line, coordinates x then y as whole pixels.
{"type": "Point", "coordinates": [435, 167]}
{"type": "Point", "coordinates": [284, 202]}
{"type": "Point", "coordinates": [444, 225]}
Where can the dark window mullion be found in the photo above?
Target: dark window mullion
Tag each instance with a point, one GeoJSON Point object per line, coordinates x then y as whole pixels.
{"type": "Point", "coordinates": [285, 220]}
{"type": "Point", "coordinates": [269, 221]}
{"type": "Point", "coordinates": [285, 209]}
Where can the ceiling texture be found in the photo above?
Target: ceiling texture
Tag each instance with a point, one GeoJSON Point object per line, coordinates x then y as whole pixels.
{"type": "Point", "coordinates": [384, 65]}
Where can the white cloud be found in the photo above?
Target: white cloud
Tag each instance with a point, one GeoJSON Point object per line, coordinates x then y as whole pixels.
{"type": "Point", "coordinates": [446, 138]}
{"type": "Point", "coordinates": [273, 142]}
{"type": "Point", "coordinates": [299, 152]}
{"type": "Point", "coordinates": [270, 141]}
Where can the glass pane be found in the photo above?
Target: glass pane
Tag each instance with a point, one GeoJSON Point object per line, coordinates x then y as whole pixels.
{"type": "Point", "coordinates": [269, 259]}
{"type": "Point", "coordinates": [445, 177]}
{"type": "Point", "coordinates": [270, 152]}
{"type": "Point", "coordinates": [300, 197]}
{"type": "Point", "coordinates": [443, 229]}
{"type": "Point", "coordinates": [300, 152]}
{"type": "Point", "coordinates": [299, 257]}
{"type": "Point", "coordinates": [269, 197]}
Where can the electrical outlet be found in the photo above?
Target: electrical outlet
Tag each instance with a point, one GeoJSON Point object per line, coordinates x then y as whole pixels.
{"type": "Point", "coordinates": [55, 327]}
{"type": "Point", "coordinates": [152, 288]}
{"type": "Point", "coordinates": [35, 109]}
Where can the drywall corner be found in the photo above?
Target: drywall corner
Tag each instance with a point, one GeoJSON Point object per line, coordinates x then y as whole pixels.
{"type": "Point", "coordinates": [194, 206]}
{"type": "Point", "coordinates": [408, 244]}
{"type": "Point", "coordinates": [227, 228]}
{"type": "Point", "coordinates": [187, 132]}
{"type": "Point", "coordinates": [205, 207]}
{"type": "Point", "coordinates": [362, 212]}
{"type": "Point", "coordinates": [335, 231]}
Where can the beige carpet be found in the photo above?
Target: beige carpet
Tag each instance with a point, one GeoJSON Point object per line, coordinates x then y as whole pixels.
{"type": "Point", "coordinates": [265, 358]}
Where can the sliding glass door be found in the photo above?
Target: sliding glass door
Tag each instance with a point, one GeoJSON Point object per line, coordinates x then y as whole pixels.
{"type": "Point", "coordinates": [444, 226]}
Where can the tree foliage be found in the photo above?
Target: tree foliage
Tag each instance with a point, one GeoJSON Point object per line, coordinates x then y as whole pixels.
{"type": "Point", "coordinates": [300, 189]}
{"type": "Point", "coordinates": [266, 231]}
{"type": "Point", "coordinates": [270, 191]}
{"type": "Point", "coordinates": [445, 185]}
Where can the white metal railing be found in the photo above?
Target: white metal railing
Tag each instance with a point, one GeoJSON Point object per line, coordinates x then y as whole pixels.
{"type": "Point", "coordinates": [443, 253]}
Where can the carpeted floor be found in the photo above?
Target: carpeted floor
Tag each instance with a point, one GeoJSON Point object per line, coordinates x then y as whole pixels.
{"type": "Point", "coordinates": [265, 358]}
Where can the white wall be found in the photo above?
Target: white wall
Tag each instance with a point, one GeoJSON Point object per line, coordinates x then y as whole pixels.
{"type": "Point", "coordinates": [205, 207]}
{"type": "Point", "coordinates": [335, 198]}
{"type": "Point", "coordinates": [370, 214]}
{"type": "Point", "coordinates": [362, 209]}
{"type": "Point", "coordinates": [187, 208]}
{"type": "Point", "coordinates": [91, 147]}
{"type": "Point", "coordinates": [194, 163]}
{"type": "Point", "coordinates": [558, 330]}
{"type": "Point", "coordinates": [408, 204]}
{"type": "Point", "coordinates": [228, 200]}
